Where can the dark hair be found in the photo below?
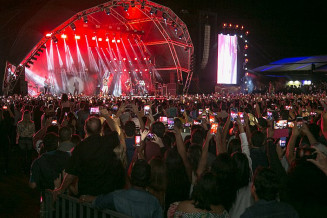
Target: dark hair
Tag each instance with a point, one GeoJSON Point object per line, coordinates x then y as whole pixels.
{"type": "Point", "coordinates": [178, 184]}
{"type": "Point", "coordinates": [197, 137]}
{"type": "Point", "coordinates": [306, 184]}
{"type": "Point", "coordinates": [223, 168]}
{"type": "Point", "coordinates": [64, 97]}
{"type": "Point", "coordinates": [50, 142]}
{"type": "Point", "coordinates": [76, 139]}
{"type": "Point", "coordinates": [169, 139]}
{"type": "Point", "coordinates": [195, 127]}
{"type": "Point", "coordinates": [158, 180]}
{"type": "Point", "coordinates": [130, 128]}
{"type": "Point", "coordinates": [106, 128]}
{"type": "Point", "coordinates": [258, 138]}
{"type": "Point", "coordinates": [205, 192]}
{"type": "Point", "coordinates": [234, 146]}
{"type": "Point", "coordinates": [158, 128]}
{"type": "Point", "coordinates": [93, 126]}
{"type": "Point", "coordinates": [193, 155]}
{"type": "Point", "coordinates": [266, 184]}
{"type": "Point", "coordinates": [178, 123]}
{"type": "Point", "coordinates": [262, 122]}
{"type": "Point", "coordinates": [53, 129]}
{"type": "Point", "coordinates": [242, 169]}
{"type": "Point", "coordinates": [65, 134]}
{"type": "Point", "coordinates": [141, 174]}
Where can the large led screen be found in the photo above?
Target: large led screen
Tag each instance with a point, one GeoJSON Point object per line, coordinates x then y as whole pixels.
{"type": "Point", "coordinates": [227, 59]}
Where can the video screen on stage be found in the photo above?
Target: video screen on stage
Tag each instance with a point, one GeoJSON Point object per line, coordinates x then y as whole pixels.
{"type": "Point", "coordinates": [227, 59]}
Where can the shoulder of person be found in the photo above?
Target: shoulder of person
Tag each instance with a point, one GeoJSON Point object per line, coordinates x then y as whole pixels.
{"type": "Point", "coordinates": [187, 207]}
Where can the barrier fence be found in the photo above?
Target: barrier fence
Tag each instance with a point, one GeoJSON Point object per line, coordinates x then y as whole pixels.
{"type": "Point", "coordinates": [68, 206]}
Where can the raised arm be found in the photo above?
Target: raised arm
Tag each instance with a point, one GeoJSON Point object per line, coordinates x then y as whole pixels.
{"type": "Point", "coordinates": [139, 117]}
{"type": "Point", "coordinates": [220, 147]}
{"type": "Point", "coordinates": [182, 152]}
{"type": "Point", "coordinates": [247, 128]}
{"type": "Point", "coordinates": [291, 144]}
{"type": "Point", "coordinates": [204, 156]}
{"type": "Point", "coordinates": [244, 141]}
{"type": "Point", "coordinates": [307, 132]}
{"type": "Point", "coordinates": [41, 133]}
{"type": "Point", "coordinates": [225, 132]}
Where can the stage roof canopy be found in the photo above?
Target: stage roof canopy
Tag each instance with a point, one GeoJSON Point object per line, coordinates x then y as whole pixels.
{"type": "Point", "coordinates": [295, 65]}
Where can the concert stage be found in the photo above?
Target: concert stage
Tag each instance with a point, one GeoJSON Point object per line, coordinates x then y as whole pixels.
{"type": "Point", "coordinates": [116, 48]}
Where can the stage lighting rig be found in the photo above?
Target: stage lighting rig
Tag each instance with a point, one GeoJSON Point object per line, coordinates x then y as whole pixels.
{"type": "Point", "coordinates": [54, 39]}
{"type": "Point", "coordinates": [73, 26]}
{"type": "Point", "coordinates": [34, 58]}
{"type": "Point", "coordinates": [164, 16]}
{"type": "Point", "coordinates": [126, 6]}
{"type": "Point", "coordinates": [153, 10]}
{"type": "Point", "coordinates": [181, 36]}
{"type": "Point", "coordinates": [43, 46]}
{"type": "Point", "coordinates": [37, 54]}
{"type": "Point", "coordinates": [107, 10]}
{"type": "Point", "coordinates": [85, 18]}
{"type": "Point", "coordinates": [133, 4]}
{"type": "Point", "coordinates": [143, 4]}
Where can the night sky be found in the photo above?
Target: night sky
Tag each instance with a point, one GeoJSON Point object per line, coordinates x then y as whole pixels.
{"type": "Point", "coordinates": [278, 29]}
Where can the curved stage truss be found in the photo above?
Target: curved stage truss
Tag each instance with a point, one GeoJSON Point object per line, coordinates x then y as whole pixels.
{"type": "Point", "coordinates": [120, 47]}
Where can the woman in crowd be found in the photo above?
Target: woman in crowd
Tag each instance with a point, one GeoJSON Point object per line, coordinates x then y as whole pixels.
{"type": "Point", "coordinates": [25, 132]}
{"type": "Point", "coordinates": [207, 199]}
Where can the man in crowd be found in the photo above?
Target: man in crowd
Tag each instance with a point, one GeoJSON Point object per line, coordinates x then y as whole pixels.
{"type": "Point", "coordinates": [48, 166]}
{"type": "Point", "coordinates": [265, 192]}
{"type": "Point", "coordinates": [94, 163]}
{"type": "Point", "coordinates": [134, 202]}
{"type": "Point", "coordinates": [65, 135]}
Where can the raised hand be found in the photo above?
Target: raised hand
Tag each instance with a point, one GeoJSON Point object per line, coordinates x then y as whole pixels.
{"type": "Point", "coordinates": [144, 133]}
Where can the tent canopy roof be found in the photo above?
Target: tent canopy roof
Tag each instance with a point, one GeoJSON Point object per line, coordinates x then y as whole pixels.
{"type": "Point", "coordinates": [295, 65]}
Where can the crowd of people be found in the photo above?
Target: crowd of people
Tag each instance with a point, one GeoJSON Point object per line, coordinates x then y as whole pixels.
{"type": "Point", "coordinates": [213, 155]}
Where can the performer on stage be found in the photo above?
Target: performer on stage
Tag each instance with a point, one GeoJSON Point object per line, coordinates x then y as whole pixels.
{"type": "Point", "coordinates": [76, 87]}
{"type": "Point", "coordinates": [105, 86]}
{"type": "Point", "coordinates": [46, 85]}
{"type": "Point", "coordinates": [129, 86]}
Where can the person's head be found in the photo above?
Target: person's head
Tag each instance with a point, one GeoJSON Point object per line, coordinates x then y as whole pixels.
{"type": "Point", "coordinates": [205, 192]}
{"type": "Point", "coordinates": [262, 122]}
{"type": "Point", "coordinates": [242, 169]}
{"type": "Point", "coordinates": [64, 97]}
{"type": "Point", "coordinates": [223, 168]}
{"type": "Point", "coordinates": [197, 137]}
{"type": "Point", "coordinates": [158, 128]}
{"type": "Point", "coordinates": [158, 174]}
{"type": "Point", "coordinates": [258, 139]}
{"type": "Point", "coordinates": [130, 128]}
{"type": "Point", "coordinates": [76, 139]}
{"type": "Point", "coordinates": [92, 126]}
{"type": "Point", "coordinates": [65, 134]}
{"type": "Point", "coordinates": [178, 123]}
{"type": "Point", "coordinates": [234, 146]}
{"type": "Point", "coordinates": [26, 116]}
{"type": "Point", "coordinates": [306, 184]}
{"type": "Point", "coordinates": [50, 142]}
{"type": "Point", "coordinates": [141, 174]}
{"type": "Point", "coordinates": [53, 129]}
{"type": "Point", "coordinates": [193, 155]}
{"type": "Point", "coordinates": [169, 139]}
{"type": "Point", "coordinates": [265, 184]}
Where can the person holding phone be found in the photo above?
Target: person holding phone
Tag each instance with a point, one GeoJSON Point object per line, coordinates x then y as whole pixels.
{"type": "Point", "coordinates": [25, 132]}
